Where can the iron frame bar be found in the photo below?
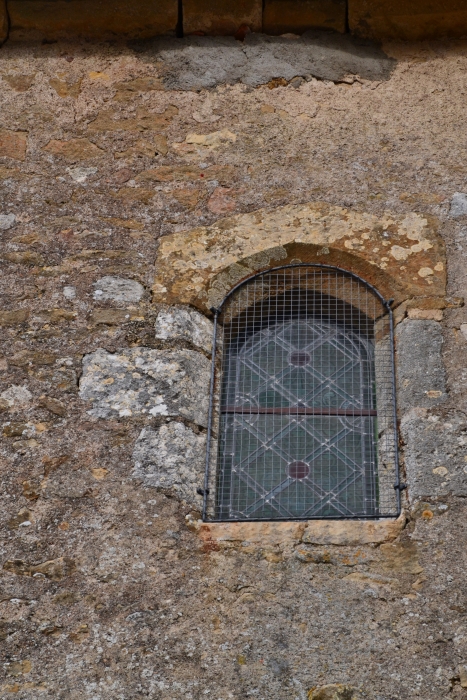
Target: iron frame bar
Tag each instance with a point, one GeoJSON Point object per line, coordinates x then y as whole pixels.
{"type": "Point", "coordinates": [386, 303]}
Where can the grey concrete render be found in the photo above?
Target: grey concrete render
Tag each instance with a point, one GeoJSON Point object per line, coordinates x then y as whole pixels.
{"type": "Point", "coordinates": [203, 62]}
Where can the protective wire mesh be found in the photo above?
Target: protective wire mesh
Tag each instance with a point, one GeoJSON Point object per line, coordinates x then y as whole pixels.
{"type": "Point", "coordinates": [306, 414]}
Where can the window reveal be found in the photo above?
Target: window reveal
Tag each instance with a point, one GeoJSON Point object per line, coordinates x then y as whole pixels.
{"type": "Point", "coordinates": [306, 418]}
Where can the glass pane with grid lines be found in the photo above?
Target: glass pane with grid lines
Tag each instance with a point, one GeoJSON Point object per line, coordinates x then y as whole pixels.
{"type": "Point", "coordinates": [306, 425]}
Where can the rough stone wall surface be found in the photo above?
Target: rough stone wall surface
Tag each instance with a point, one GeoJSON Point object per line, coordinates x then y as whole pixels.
{"type": "Point", "coordinates": [110, 589]}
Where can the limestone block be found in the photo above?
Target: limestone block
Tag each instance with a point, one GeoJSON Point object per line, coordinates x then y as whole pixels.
{"type": "Point", "coordinates": [407, 19]}
{"type": "Point", "coordinates": [118, 289]}
{"type": "Point", "coordinates": [171, 458]}
{"type": "Point", "coordinates": [434, 454]}
{"type": "Point", "coordinates": [221, 17]}
{"type": "Point", "coordinates": [185, 324]}
{"type": "Point", "coordinates": [52, 19]}
{"type": "Point", "coordinates": [145, 381]}
{"type": "Point", "coordinates": [296, 16]}
{"type": "Point", "coordinates": [420, 370]}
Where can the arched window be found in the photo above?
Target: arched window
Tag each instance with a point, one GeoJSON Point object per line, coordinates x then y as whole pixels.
{"type": "Point", "coordinates": [306, 416]}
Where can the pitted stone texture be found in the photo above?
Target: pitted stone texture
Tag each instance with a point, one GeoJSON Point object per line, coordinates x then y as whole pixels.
{"type": "Point", "coordinates": [435, 451]}
{"type": "Point", "coordinates": [146, 381]}
{"type": "Point", "coordinates": [185, 324]}
{"type": "Point", "coordinates": [458, 205]}
{"type": "Point", "coordinates": [420, 370]}
{"type": "Point", "coordinates": [171, 457]}
{"type": "Point", "coordinates": [118, 289]}
{"type": "Point", "coordinates": [7, 221]}
{"type": "Point", "coordinates": [261, 58]}
{"type": "Point", "coordinates": [200, 266]}
{"type": "Point", "coordinates": [335, 691]}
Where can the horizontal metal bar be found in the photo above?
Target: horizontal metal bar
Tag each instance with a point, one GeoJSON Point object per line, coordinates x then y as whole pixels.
{"type": "Point", "coordinates": [300, 410]}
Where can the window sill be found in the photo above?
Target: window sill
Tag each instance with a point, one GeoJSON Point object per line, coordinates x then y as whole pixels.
{"type": "Point", "coordinates": [321, 532]}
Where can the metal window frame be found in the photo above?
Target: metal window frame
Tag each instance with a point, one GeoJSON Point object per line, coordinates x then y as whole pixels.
{"type": "Point", "coordinates": [387, 303]}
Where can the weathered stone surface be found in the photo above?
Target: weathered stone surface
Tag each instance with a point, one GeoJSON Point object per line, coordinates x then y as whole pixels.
{"type": "Point", "coordinates": [221, 17]}
{"type": "Point", "coordinates": [54, 569]}
{"type": "Point", "coordinates": [63, 88]}
{"type": "Point", "coordinates": [74, 149]}
{"type": "Point", "coordinates": [199, 266]}
{"type": "Point", "coordinates": [53, 405]}
{"type": "Point", "coordinates": [171, 458]}
{"type": "Point", "coordinates": [55, 19]}
{"type": "Point", "coordinates": [458, 205]}
{"type": "Point", "coordinates": [420, 370]}
{"type": "Point", "coordinates": [109, 317]}
{"type": "Point", "coordinates": [68, 484]}
{"type": "Point", "coordinates": [118, 289]}
{"type": "Point", "coordinates": [143, 121]}
{"type": "Point", "coordinates": [260, 533]}
{"type": "Point", "coordinates": [20, 82]}
{"type": "Point", "coordinates": [297, 16]}
{"type": "Point", "coordinates": [434, 454]}
{"type": "Point", "coordinates": [407, 19]}
{"type": "Point", "coordinates": [141, 380]}
{"type": "Point", "coordinates": [13, 144]}
{"type": "Point", "coordinates": [261, 58]}
{"type": "Point", "coordinates": [335, 691]}
{"type": "Point", "coordinates": [185, 324]}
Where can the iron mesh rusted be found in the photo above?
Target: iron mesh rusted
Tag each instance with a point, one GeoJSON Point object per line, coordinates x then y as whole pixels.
{"type": "Point", "coordinates": [306, 417]}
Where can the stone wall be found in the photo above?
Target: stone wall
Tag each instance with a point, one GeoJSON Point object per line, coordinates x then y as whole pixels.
{"type": "Point", "coordinates": [375, 19]}
{"type": "Point", "coordinates": [139, 180]}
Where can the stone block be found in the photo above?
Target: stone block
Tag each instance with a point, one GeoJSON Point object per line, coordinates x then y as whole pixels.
{"type": "Point", "coordinates": [171, 458]}
{"type": "Point", "coordinates": [352, 532]}
{"type": "Point", "coordinates": [458, 205]}
{"type": "Point", "coordinates": [420, 370]}
{"type": "Point", "coordinates": [145, 381]}
{"type": "Point", "coordinates": [118, 289]}
{"type": "Point", "coordinates": [297, 16]}
{"type": "Point", "coordinates": [13, 144]}
{"type": "Point", "coordinates": [410, 20]}
{"type": "Point", "coordinates": [221, 17]}
{"type": "Point", "coordinates": [101, 19]}
{"type": "Point", "coordinates": [185, 324]}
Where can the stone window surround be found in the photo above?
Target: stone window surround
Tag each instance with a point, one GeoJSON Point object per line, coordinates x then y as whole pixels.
{"type": "Point", "coordinates": [402, 256]}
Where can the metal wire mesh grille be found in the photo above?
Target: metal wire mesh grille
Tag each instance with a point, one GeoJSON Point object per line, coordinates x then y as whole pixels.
{"type": "Point", "coordinates": [306, 416]}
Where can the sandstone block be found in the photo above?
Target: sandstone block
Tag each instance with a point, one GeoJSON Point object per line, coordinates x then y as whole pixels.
{"type": "Point", "coordinates": [53, 19]}
{"type": "Point", "coordinates": [172, 458]}
{"type": "Point", "coordinates": [13, 144]}
{"type": "Point", "coordinates": [74, 149]}
{"type": "Point", "coordinates": [221, 17]}
{"type": "Point", "coordinates": [410, 20]}
{"type": "Point", "coordinates": [146, 381]}
{"type": "Point", "coordinates": [185, 324]}
{"type": "Point", "coordinates": [350, 533]}
{"type": "Point", "coordinates": [297, 16]}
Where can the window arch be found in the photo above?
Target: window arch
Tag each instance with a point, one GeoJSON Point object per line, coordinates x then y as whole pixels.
{"type": "Point", "coordinates": [306, 415]}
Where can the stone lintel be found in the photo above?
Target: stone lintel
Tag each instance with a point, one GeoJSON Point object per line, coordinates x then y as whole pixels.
{"type": "Point", "coordinates": [320, 532]}
{"type": "Point", "coordinates": [401, 255]}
